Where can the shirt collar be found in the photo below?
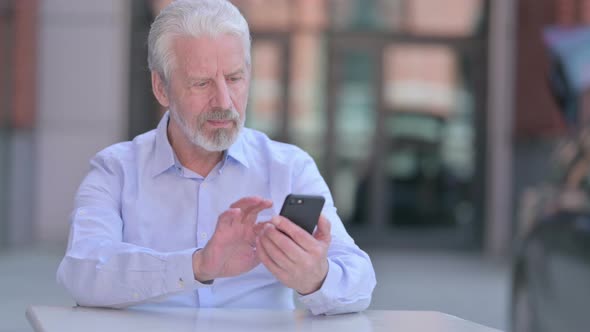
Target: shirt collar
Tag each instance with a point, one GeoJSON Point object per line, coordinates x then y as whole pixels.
{"type": "Point", "coordinates": [236, 150]}
{"type": "Point", "coordinates": [165, 157]}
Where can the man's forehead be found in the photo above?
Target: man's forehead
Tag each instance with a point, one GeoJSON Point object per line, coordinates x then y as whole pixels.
{"type": "Point", "coordinates": [206, 70]}
{"type": "Point", "coordinates": [203, 53]}
{"type": "Point", "coordinates": [207, 43]}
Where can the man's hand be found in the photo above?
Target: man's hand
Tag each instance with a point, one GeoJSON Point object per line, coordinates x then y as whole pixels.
{"type": "Point", "coordinates": [298, 259]}
{"type": "Point", "coordinates": [231, 250]}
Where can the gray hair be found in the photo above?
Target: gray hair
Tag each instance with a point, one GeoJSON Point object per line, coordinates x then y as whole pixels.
{"type": "Point", "coordinates": [192, 18]}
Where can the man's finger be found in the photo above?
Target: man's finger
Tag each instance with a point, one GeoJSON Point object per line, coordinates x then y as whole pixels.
{"type": "Point", "coordinates": [250, 202]}
{"type": "Point", "coordinates": [246, 202]}
{"type": "Point", "coordinates": [265, 259]}
{"type": "Point", "coordinates": [251, 206]}
{"type": "Point", "coordinates": [293, 251]}
{"type": "Point", "coordinates": [322, 232]}
{"type": "Point", "coordinates": [229, 216]}
{"type": "Point", "coordinates": [275, 252]}
{"type": "Point", "coordinates": [298, 234]}
{"type": "Point", "coordinates": [251, 214]}
{"type": "Point", "coordinates": [258, 228]}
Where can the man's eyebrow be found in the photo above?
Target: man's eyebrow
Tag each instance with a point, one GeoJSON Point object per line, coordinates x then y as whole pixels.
{"type": "Point", "coordinates": [236, 72]}
{"type": "Point", "coordinates": [192, 79]}
{"type": "Point", "coordinates": [197, 78]}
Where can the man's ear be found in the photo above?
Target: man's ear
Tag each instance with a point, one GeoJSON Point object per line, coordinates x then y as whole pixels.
{"type": "Point", "coordinates": [159, 89]}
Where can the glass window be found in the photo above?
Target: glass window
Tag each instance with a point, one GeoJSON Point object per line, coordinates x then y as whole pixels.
{"type": "Point", "coordinates": [306, 105]}
{"type": "Point", "coordinates": [429, 121]}
{"type": "Point", "coordinates": [443, 17]}
{"type": "Point", "coordinates": [275, 15]}
{"type": "Point", "coordinates": [417, 17]}
{"type": "Point", "coordinates": [420, 78]}
{"type": "Point", "coordinates": [266, 98]}
{"type": "Point", "coordinates": [366, 14]}
{"type": "Point", "coordinates": [384, 95]}
{"type": "Point", "coordinates": [355, 123]}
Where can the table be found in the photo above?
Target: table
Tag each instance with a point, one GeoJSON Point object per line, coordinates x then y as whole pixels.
{"type": "Point", "coordinates": [152, 319]}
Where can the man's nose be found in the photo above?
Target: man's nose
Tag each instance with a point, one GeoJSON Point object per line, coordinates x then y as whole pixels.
{"type": "Point", "coordinates": [222, 98]}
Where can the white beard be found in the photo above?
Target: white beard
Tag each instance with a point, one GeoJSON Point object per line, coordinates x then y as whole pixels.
{"type": "Point", "coordinates": [221, 139]}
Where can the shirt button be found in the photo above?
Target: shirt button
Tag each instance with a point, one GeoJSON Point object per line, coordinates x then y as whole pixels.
{"type": "Point", "coordinates": [203, 235]}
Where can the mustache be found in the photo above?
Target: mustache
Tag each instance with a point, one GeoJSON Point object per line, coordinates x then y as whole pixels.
{"type": "Point", "coordinates": [221, 114]}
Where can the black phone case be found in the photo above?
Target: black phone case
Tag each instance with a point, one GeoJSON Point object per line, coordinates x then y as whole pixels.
{"type": "Point", "coordinates": [303, 210]}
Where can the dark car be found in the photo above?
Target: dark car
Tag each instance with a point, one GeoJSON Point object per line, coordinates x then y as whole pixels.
{"type": "Point", "coordinates": [551, 277]}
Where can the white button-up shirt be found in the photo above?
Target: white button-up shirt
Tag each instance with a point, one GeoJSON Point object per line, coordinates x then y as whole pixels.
{"type": "Point", "coordinates": [139, 216]}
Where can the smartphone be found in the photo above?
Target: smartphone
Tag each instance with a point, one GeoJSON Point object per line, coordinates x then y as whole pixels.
{"type": "Point", "coordinates": [303, 210]}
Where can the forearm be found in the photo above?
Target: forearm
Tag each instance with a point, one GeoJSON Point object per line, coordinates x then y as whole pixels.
{"type": "Point", "coordinates": [348, 286]}
{"type": "Point", "coordinates": [120, 274]}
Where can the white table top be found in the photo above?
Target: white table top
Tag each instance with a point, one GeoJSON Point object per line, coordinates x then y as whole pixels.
{"type": "Point", "coordinates": [64, 319]}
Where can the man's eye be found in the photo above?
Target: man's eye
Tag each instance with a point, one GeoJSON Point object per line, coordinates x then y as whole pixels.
{"type": "Point", "coordinates": [201, 84]}
{"type": "Point", "coordinates": [235, 78]}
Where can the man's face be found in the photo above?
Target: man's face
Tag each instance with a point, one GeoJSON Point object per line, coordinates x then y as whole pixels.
{"type": "Point", "coordinates": [207, 90]}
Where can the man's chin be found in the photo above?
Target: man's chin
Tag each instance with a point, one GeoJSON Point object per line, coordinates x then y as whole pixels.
{"type": "Point", "coordinates": [220, 139]}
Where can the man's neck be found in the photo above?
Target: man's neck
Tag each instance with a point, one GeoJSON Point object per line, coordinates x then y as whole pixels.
{"type": "Point", "coordinates": [190, 155]}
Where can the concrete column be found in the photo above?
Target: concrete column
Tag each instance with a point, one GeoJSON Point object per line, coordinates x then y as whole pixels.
{"type": "Point", "coordinates": [83, 83]}
{"type": "Point", "coordinates": [498, 228]}
{"type": "Point", "coordinates": [21, 109]}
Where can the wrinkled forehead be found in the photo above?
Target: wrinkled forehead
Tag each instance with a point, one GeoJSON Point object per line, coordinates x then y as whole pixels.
{"type": "Point", "coordinates": [206, 55]}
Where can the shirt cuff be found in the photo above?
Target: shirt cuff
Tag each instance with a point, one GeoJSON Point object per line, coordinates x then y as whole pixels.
{"type": "Point", "coordinates": [320, 301]}
{"type": "Point", "coordinates": [179, 272]}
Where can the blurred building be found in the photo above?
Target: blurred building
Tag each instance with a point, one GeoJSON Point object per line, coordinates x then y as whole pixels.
{"type": "Point", "coordinates": [389, 98]}
{"type": "Point", "coordinates": [395, 99]}
{"type": "Point", "coordinates": [64, 73]}
{"type": "Point", "coordinates": [539, 125]}
{"type": "Point", "coordinates": [18, 108]}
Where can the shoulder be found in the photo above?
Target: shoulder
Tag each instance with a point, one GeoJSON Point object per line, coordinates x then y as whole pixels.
{"type": "Point", "coordinates": [127, 151]}
{"type": "Point", "coordinates": [260, 146]}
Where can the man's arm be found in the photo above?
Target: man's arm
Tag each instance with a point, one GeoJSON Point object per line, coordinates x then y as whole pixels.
{"type": "Point", "coordinates": [99, 269]}
{"type": "Point", "coordinates": [348, 283]}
